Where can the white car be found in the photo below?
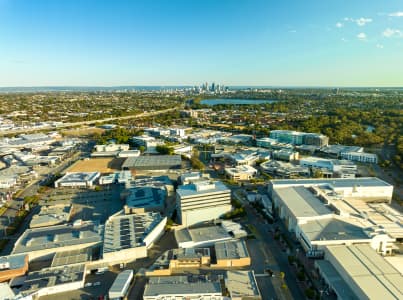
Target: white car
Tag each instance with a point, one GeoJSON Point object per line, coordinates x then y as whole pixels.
{"type": "Point", "coordinates": [88, 284]}
{"type": "Point", "coordinates": [97, 283]}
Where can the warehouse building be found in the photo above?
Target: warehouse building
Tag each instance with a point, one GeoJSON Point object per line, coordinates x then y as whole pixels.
{"type": "Point", "coordinates": [358, 272]}
{"type": "Point", "coordinates": [51, 281]}
{"type": "Point", "coordinates": [153, 163]}
{"type": "Point", "coordinates": [201, 237]}
{"type": "Point", "coordinates": [77, 179]}
{"type": "Point", "coordinates": [231, 254]}
{"type": "Point", "coordinates": [43, 243]}
{"type": "Point", "coordinates": [320, 216]}
{"type": "Point", "coordinates": [365, 188]}
{"type": "Point", "coordinates": [202, 201]}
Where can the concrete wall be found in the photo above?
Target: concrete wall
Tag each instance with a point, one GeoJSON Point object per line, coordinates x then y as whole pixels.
{"type": "Point", "coordinates": [190, 217]}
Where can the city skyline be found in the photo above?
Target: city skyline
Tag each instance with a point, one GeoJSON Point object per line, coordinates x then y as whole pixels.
{"type": "Point", "coordinates": [237, 43]}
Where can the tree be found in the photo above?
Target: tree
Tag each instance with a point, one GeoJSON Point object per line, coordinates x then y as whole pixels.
{"type": "Point", "coordinates": [164, 149]}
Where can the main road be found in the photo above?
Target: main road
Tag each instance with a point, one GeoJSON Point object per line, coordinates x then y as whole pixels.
{"type": "Point", "coordinates": [73, 124]}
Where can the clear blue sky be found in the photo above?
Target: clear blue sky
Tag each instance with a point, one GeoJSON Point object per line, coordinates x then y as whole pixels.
{"type": "Point", "coordinates": [187, 42]}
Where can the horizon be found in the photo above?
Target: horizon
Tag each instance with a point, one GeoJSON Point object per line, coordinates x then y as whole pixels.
{"type": "Point", "coordinates": [180, 43]}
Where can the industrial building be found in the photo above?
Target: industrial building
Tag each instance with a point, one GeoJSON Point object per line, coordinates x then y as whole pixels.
{"type": "Point", "coordinates": [322, 213]}
{"type": "Point", "coordinates": [12, 266]}
{"type": "Point", "coordinates": [78, 179]}
{"type": "Point", "coordinates": [202, 201]}
{"type": "Point", "coordinates": [127, 237]}
{"type": "Point", "coordinates": [153, 163]}
{"type": "Point", "coordinates": [44, 242]}
{"type": "Point", "coordinates": [50, 281]}
{"type": "Point", "coordinates": [365, 188]}
{"type": "Point", "coordinates": [201, 237]}
{"type": "Point", "coordinates": [231, 254]}
{"type": "Point", "coordinates": [181, 287]}
{"type": "Point", "coordinates": [358, 272]}
{"type": "Point", "coordinates": [51, 215]}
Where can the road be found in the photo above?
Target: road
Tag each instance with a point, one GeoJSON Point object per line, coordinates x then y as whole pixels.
{"type": "Point", "coordinates": [268, 253]}
{"type": "Point", "coordinates": [73, 124]}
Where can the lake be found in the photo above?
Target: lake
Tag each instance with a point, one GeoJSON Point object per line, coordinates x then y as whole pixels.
{"type": "Point", "coordinates": [235, 101]}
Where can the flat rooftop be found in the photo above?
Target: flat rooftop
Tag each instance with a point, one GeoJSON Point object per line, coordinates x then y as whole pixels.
{"type": "Point", "coordinates": [375, 277]}
{"type": "Point", "coordinates": [332, 229]}
{"type": "Point", "coordinates": [202, 187]}
{"type": "Point", "coordinates": [78, 177]}
{"type": "Point", "coordinates": [153, 161]}
{"type": "Point", "coordinates": [16, 261]}
{"type": "Point", "coordinates": [302, 203]}
{"type": "Point", "coordinates": [335, 280]}
{"type": "Point", "coordinates": [146, 197]}
{"type": "Point", "coordinates": [72, 257]}
{"type": "Point", "coordinates": [180, 285]}
{"type": "Point", "coordinates": [242, 284]}
{"type": "Point", "coordinates": [51, 277]}
{"type": "Point", "coordinates": [231, 249]}
{"type": "Point", "coordinates": [57, 237]}
{"type": "Point", "coordinates": [201, 234]}
{"type": "Point", "coordinates": [335, 182]}
{"type": "Point", "coordinates": [51, 215]}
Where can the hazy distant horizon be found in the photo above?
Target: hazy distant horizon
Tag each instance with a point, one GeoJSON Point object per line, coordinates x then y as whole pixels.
{"type": "Point", "coordinates": [237, 43]}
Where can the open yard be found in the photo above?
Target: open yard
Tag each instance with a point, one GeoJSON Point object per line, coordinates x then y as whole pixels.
{"type": "Point", "coordinates": [103, 165]}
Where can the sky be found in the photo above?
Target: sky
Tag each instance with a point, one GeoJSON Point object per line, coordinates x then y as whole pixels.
{"type": "Point", "coordinates": [188, 42]}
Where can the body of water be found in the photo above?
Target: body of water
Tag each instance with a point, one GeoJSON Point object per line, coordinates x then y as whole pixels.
{"type": "Point", "coordinates": [235, 101]}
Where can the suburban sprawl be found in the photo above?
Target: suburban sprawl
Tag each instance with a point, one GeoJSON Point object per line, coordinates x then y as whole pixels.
{"type": "Point", "coordinates": [206, 192]}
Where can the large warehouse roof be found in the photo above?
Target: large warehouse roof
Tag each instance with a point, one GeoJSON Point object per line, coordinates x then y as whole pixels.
{"type": "Point", "coordinates": [366, 269]}
{"type": "Point", "coordinates": [153, 162]}
{"type": "Point", "coordinates": [302, 203]}
{"type": "Point", "coordinates": [335, 182]}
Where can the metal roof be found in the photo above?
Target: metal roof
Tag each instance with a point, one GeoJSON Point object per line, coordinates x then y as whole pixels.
{"type": "Point", "coordinates": [335, 182]}
{"type": "Point", "coordinates": [231, 250]}
{"type": "Point", "coordinates": [301, 202]}
{"type": "Point", "coordinates": [368, 270]}
{"type": "Point", "coordinates": [162, 161]}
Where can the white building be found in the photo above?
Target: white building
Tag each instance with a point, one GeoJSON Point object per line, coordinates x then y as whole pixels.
{"type": "Point", "coordinates": [340, 168]}
{"type": "Point", "coordinates": [111, 147]}
{"type": "Point", "coordinates": [319, 216]}
{"type": "Point", "coordinates": [77, 179]}
{"type": "Point", "coordinates": [202, 201]}
{"type": "Point", "coordinates": [360, 157]}
{"type": "Point", "coordinates": [243, 172]}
